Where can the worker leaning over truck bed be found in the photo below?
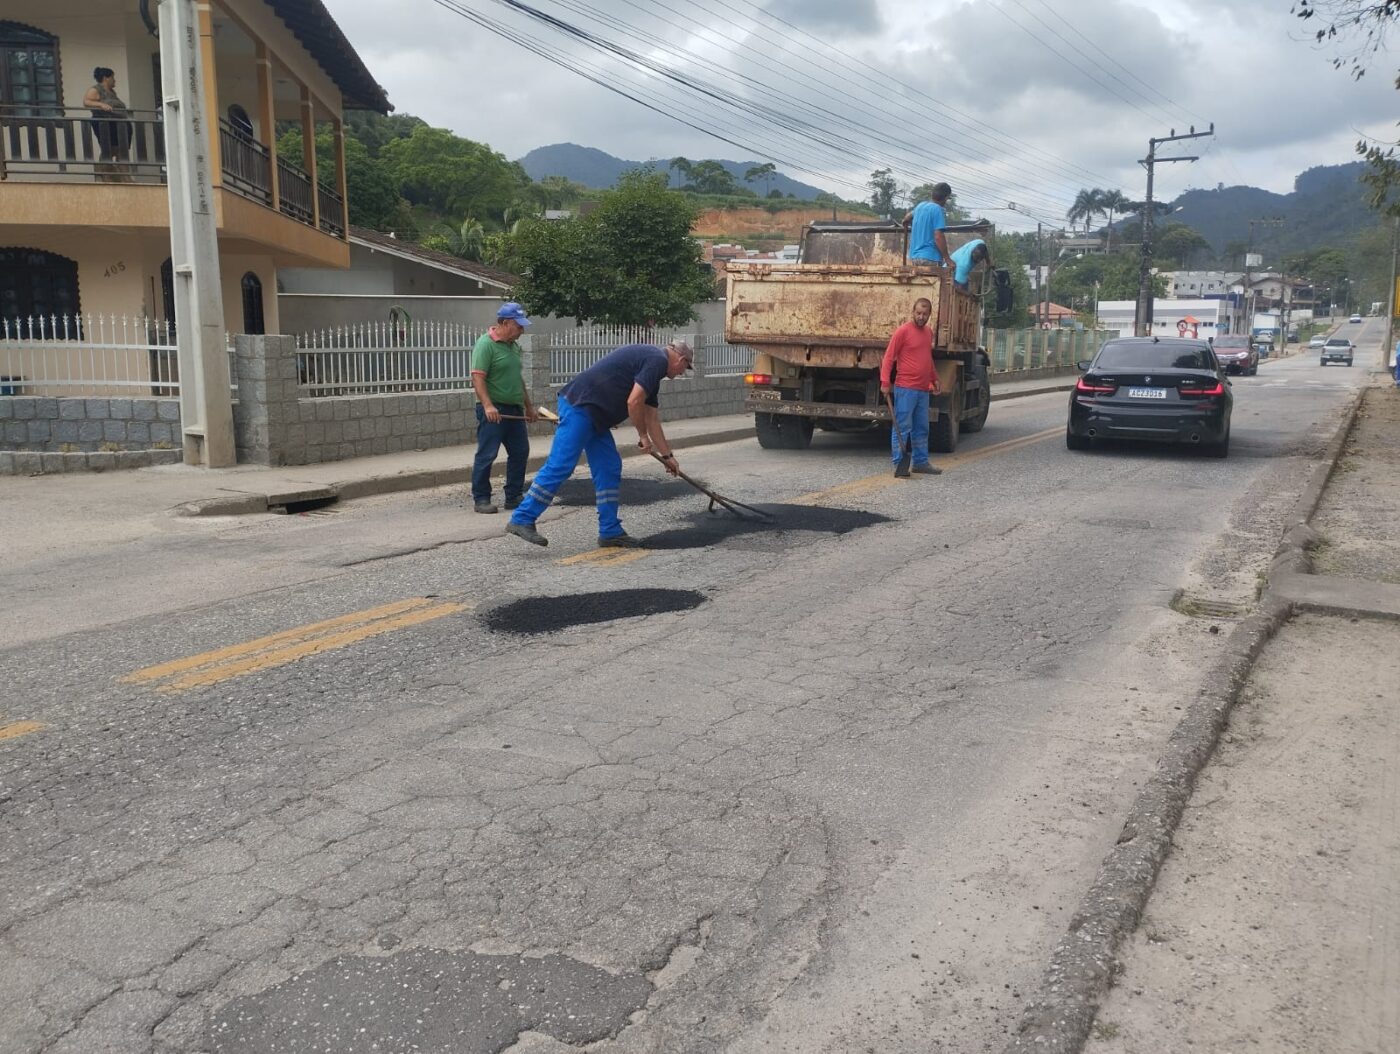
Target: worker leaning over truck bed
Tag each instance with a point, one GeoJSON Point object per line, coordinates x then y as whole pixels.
{"type": "Point", "coordinates": [907, 369]}
{"type": "Point", "coordinates": [927, 242]}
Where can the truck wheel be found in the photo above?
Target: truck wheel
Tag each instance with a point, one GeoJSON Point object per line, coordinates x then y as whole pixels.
{"type": "Point", "coordinates": [984, 403]}
{"type": "Point", "coordinates": [770, 437]}
{"type": "Point", "coordinates": [797, 432]}
{"type": "Point", "coordinates": [943, 433]}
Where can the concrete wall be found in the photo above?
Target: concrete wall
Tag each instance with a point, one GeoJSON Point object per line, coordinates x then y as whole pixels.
{"type": "Point", "coordinates": [39, 435]}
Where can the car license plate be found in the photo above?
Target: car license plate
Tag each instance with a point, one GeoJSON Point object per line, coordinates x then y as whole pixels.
{"type": "Point", "coordinates": [1147, 393]}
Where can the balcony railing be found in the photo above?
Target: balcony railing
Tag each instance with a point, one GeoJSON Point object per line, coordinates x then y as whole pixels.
{"type": "Point", "coordinates": [52, 144]}
{"type": "Point", "coordinates": [247, 164]}
{"type": "Point", "coordinates": [56, 143]}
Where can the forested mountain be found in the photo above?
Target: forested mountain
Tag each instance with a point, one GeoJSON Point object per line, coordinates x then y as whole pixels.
{"type": "Point", "coordinates": [1327, 207]}
{"type": "Point", "coordinates": [594, 168]}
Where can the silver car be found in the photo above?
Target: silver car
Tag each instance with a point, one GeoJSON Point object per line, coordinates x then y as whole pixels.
{"type": "Point", "coordinates": [1337, 349]}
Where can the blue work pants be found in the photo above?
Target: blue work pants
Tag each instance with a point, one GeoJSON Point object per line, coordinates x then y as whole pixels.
{"type": "Point", "coordinates": [515, 437]}
{"type": "Point", "coordinates": [911, 415]}
{"type": "Point", "coordinates": [576, 436]}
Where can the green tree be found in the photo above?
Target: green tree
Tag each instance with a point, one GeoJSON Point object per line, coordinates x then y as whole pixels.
{"type": "Point", "coordinates": [373, 196]}
{"type": "Point", "coordinates": [882, 191]}
{"type": "Point", "coordinates": [764, 172]}
{"type": "Point", "coordinates": [466, 239]}
{"type": "Point", "coordinates": [631, 261]}
{"type": "Point", "coordinates": [1364, 22]}
{"type": "Point", "coordinates": [1112, 203]}
{"type": "Point", "coordinates": [1087, 205]}
{"type": "Point", "coordinates": [1174, 244]}
{"type": "Point", "coordinates": [705, 177]}
{"type": "Point", "coordinates": [374, 130]}
{"type": "Point", "coordinates": [451, 175]}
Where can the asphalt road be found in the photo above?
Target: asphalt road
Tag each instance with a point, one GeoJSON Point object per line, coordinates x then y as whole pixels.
{"type": "Point", "coordinates": [323, 782]}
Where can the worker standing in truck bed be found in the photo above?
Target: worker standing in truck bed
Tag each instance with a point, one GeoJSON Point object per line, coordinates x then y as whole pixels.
{"type": "Point", "coordinates": [927, 242]}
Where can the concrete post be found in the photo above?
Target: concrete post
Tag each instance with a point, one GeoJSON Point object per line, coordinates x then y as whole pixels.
{"type": "Point", "coordinates": [267, 417]}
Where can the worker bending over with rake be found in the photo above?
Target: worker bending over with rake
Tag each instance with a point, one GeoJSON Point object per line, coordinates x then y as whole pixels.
{"type": "Point", "coordinates": [623, 385]}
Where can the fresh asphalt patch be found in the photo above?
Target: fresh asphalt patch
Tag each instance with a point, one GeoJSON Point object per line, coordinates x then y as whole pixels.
{"type": "Point", "coordinates": [535, 615]}
{"type": "Point", "coordinates": [638, 491]}
{"type": "Point", "coordinates": [431, 1001]}
{"type": "Point", "coordinates": [718, 527]}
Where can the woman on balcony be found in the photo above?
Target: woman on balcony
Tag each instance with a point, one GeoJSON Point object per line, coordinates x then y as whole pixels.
{"type": "Point", "coordinates": [111, 126]}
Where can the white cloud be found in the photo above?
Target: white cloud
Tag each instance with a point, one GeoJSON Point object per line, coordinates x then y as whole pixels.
{"type": "Point", "coordinates": [1024, 100]}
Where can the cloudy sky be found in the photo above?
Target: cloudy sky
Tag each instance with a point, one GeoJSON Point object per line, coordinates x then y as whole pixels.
{"type": "Point", "coordinates": [1023, 101]}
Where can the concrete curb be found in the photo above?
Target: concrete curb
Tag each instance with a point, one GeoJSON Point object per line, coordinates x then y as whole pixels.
{"type": "Point", "coordinates": [247, 503]}
{"type": "Point", "coordinates": [1083, 965]}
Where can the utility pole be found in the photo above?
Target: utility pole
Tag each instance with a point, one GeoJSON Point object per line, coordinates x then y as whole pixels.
{"type": "Point", "coordinates": [1394, 299]}
{"type": "Point", "coordinates": [1039, 271]}
{"type": "Point", "coordinates": [1143, 317]}
{"type": "Point", "coordinates": [206, 410]}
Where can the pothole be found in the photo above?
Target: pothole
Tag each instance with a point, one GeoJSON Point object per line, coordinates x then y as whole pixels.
{"type": "Point", "coordinates": [708, 529]}
{"type": "Point", "coordinates": [535, 615]}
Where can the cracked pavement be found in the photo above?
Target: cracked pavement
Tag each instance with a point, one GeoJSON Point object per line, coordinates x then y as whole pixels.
{"type": "Point", "coordinates": [847, 802]}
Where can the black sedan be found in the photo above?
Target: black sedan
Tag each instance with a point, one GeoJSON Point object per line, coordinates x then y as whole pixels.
{"type": "Point", "coordinates": [1170, 390]}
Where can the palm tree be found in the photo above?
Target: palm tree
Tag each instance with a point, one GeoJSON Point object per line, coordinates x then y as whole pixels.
{"type": "Point", "coordinates": [1111, 202]}
{"type": "Point", "coordinates": [466, 240]}
{"type": "Point", "coordinates": [1086, 206]}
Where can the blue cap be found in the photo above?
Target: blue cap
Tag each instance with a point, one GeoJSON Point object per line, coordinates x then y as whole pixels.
{"type": "Point", "coordinates": [514, 312]}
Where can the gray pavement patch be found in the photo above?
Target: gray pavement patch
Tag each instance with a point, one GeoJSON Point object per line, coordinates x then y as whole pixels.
{"type": "Point", "coordinates": [535, 615]}
{"type": "Point", "coordinates": [708, 529]}
{"type": "Point", "coordinates": [430, 1001]}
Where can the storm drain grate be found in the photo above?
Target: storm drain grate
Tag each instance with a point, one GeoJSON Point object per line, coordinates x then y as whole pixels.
{"type": "Point", "coordinates": [1205, 607]}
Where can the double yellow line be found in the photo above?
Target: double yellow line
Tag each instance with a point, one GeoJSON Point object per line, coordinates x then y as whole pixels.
{"type": "Point", "coordinates": [279, 649]}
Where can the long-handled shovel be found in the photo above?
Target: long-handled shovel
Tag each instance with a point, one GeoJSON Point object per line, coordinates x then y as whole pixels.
{"type": "Point", "coordinates": [906, 443]}
{"type": "Point", "coordinates": [738, 508]}
{"type": "Point", "coordinates": [542, 413]}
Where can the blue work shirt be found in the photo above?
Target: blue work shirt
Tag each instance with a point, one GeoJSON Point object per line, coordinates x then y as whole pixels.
{"type": "Point", "coordinates": [603, 388]}
{"type": "Point", "coordinates": [962, 260]}
{"type": "Point", "coordinates": [928, 219]}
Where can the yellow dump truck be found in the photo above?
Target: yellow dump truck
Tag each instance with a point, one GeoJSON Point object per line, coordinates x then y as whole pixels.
{"type": "Point", "coordinates": [819, 328]}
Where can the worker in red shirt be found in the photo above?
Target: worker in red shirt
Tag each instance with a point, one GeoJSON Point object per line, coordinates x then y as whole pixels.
{"type": "Point", "coordinates": [907, 371]}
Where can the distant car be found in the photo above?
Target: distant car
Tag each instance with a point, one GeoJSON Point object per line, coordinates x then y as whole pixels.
{"type": "Point", "coordinates": [1264, 348]}
{"type": "Point", "coordinates": [1317, 342]}
{"type": "Point", "coordinates": [1236, 355]}
{"type": "Point", "coordinates": [1337, 349]}
{"type": "Point", "coordinates": [1355, 318]}
{"type": "Point", "coordinates": [1168, 390]}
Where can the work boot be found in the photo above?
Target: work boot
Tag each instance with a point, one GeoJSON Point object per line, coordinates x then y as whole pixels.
{"type": "Point", "coordinates": [618, 541]}
{"type": "Point", "coordinates": [485, 507]}
{"type": "Point", "coordinates": [928, 470]}
{"type": "Point", "coordinates": [512, 503]}
{"type": "Point", "coordinates": [528, 532]}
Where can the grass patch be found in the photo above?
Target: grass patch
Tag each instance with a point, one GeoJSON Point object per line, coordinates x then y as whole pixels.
{"type": "Point", "coordinates": [1106, 1030]}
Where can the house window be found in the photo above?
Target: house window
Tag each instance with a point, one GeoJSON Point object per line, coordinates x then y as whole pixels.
{"type": "Point", "coordinates": [240, 122]}
{"type": "Point", "coordinates": [29, 71]}
{"type": "Point", "coordinates": [37, 284]}
{"type": "Point", "coordinates": [252, 304]}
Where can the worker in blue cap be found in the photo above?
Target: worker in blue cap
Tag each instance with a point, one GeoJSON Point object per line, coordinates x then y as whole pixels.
{"type": "Point", "coordinates": [503, 407]}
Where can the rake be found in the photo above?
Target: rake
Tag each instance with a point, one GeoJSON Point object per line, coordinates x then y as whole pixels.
{"type": "Point", "coordinates": [738, 508]}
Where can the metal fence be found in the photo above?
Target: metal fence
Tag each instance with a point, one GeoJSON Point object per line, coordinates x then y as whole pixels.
{"type": "Point", "coordinates": [573, 352]}
{"type": "Point", "coordinates": [378, 358]}
{"type": "Point", "coordinates": [717, 358]}
{"type": "Point", "coordinates": [91, 355]}
{"type": "Point", "coordinates": [1029, 349]}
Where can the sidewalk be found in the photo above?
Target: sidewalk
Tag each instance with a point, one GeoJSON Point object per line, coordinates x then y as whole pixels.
{"type": "Point", "coordinates": [1274, 924]}
{"type": "Point", "coordinates": [256, 488]}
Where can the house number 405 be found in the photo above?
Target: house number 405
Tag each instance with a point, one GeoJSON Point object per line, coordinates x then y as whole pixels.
{"type": "Point", "coordinates": [114, 269]}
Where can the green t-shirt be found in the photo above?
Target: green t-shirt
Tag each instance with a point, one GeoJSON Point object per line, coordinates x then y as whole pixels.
{"type": "Point", "coordinates": [505, 382]}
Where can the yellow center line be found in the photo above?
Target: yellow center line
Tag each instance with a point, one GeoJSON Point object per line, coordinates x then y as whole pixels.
{"type": "Point", "coordinates": [871, 484]}
{"type": "Point", "coordinates": [167, 669]}
{"type": "Point", "coordinates": [282, 656]}
{"type": "Point", "coordinates": [603, 557]}
{"type": "Point", "coordinates": [19, 728]}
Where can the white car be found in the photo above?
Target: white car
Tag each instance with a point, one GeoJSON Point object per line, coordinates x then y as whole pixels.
{"type": "Point", "coordinates": [1355, 318]}
{"type": "Point", "coordinates": [1317, 342]}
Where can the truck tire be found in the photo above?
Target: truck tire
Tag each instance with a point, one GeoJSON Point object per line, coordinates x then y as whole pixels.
{"type": "Point", "coordinates": [797, 432]}
{"type": "Point", "coordinates": [783, 431]}
{"type": "Point", "coordinates": [769, 435]}
{"type": "Point", "coordinates": [943, 432]}
{"type": "Point", "coordinates": [984, 402]}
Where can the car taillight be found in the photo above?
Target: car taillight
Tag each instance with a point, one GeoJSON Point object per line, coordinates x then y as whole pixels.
{"type": "Point", "coordinates": [1197, 392]}
{"type": "Point", "coordinates": [759, 378]}
{"type": "Point", "coordinates": [1096, 387]}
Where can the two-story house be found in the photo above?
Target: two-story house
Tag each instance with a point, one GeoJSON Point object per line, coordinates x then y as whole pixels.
{"type": "Point", "coordinates": [84, 212]}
